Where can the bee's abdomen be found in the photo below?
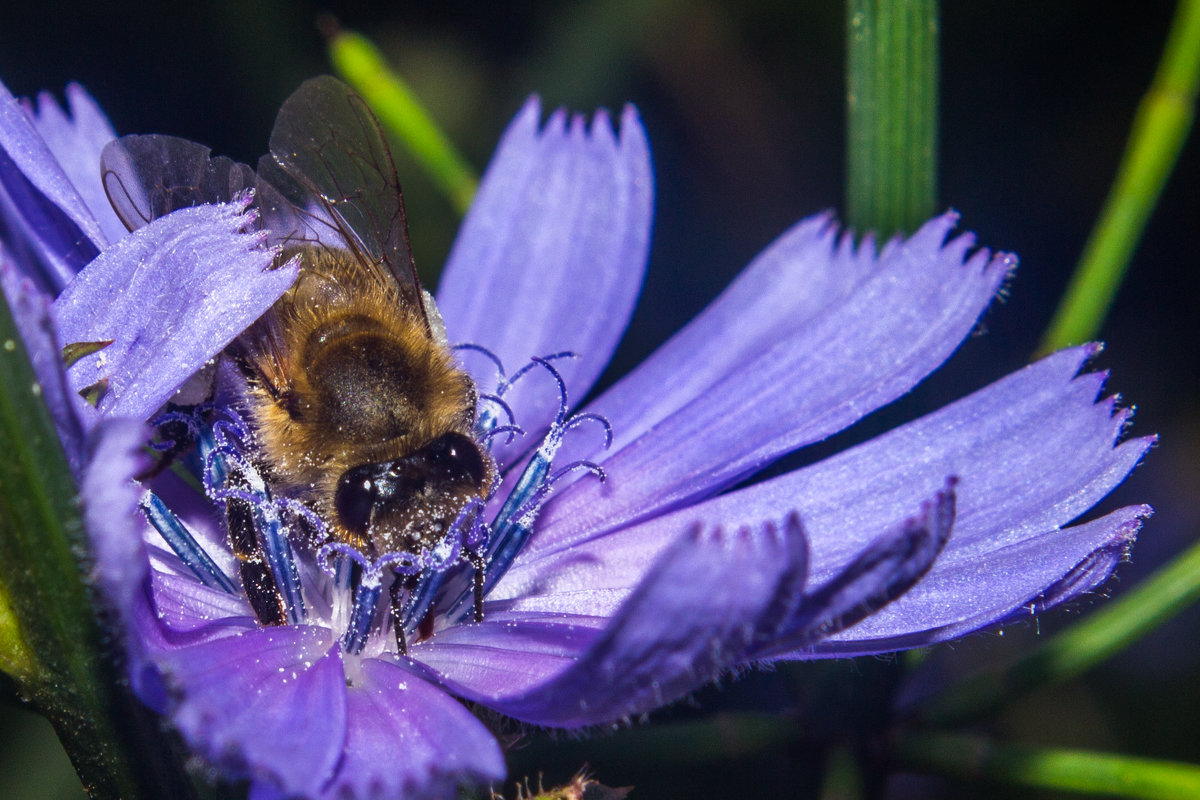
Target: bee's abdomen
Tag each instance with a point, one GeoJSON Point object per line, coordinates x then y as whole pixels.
{"type": "Point", "coordinates": [369, 386]}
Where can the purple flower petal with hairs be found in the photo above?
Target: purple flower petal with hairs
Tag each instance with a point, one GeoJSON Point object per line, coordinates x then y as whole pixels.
{"type": "Point", "coordinates": [624, 594]}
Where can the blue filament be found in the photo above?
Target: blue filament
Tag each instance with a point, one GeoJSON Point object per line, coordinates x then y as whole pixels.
{"type": "Point", "coordinates": [281, 560]}
{"type": "Point", "coordinates": [221, 448]}
{"type": "Point", "coordinates": [181, 540]}
{"type": "Point", "coordinates": [513, 524]}
{"type": "Point", "coordinates": [366, 599]}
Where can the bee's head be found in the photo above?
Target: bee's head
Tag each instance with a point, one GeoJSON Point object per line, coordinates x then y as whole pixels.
{"type": "Point", "coordinates": [410, 502]}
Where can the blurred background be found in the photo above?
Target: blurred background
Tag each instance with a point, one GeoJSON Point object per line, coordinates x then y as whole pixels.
{"type": "Point", "coordinates": [743, 104]}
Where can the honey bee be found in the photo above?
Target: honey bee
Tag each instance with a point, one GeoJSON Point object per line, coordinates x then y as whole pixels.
{"type": "Point", "coordinates": [357, 405]}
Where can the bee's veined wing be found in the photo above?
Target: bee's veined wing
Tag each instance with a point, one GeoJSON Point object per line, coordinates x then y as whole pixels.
{"type": "Point", "coordinates": [331, 167]}
{"type": "Point", "coordinates": [146, 177]}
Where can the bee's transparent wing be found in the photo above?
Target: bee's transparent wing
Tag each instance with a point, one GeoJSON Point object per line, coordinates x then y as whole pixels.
{"type": "Point", "coordinates": [330, 171]}
{"type": "Point", "coordinates": [146, 177]}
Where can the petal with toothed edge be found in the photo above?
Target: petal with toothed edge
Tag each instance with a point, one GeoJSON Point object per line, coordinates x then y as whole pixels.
{"type": "Point", "coordinates": [76, 139]}
{"type": "Point", "coordinates": [408, 738]}
{"type": "Point", "coordinates": [39, 194]}
{"type": "Point", "coordinates": [1009, 583]}
{"type": "Point", "coordinates": [563, 272]}
{"type": "Point", "coordinates": [185, 285]}
{"type": "Point", "coordinates": [268, 702]}
{"type": "Point", "coordinates": [882, 572]}
{"type": "Point", "coordinates": [1004, 442]}
{"type": "Point", "coordinates": [110, 512]}
{"type": "Point", "coordinates": [885, 334]}
{"type": "Point", "coordinates": [709, 600]}
{"type": "Point", "coordinates": [710, 603]}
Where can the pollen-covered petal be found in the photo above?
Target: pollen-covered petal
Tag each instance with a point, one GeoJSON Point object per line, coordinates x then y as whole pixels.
{"type": "Point", "coordinates": [110, 512]}
{"type": "Point", "coordinates": [266, 703]}
{"type": "Point", "coordinates": [784, 382]}
{"type": "Point", "coordinates": [551, 256]}
{"type": "Point", "coordinates": [39, 199]}
{"type": "Point", "coordinates": [170, 297]}
{"type": "Point", "coordinates": [709, 601]}
{"type": "Point", "coordinates": [409, 738]}
{"type": "Point", "coordinates": [514, 647]}
{"type": "Point", "coordinates": [76, 139]}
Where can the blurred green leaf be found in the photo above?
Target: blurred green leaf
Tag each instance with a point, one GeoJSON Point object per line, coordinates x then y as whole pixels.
{"type": "Point", "coordinates": [1160, 129]}
{"type": "Point", "coordinates": [1104, 774]}
{"type": "Point", "coordinates": [361, 64]}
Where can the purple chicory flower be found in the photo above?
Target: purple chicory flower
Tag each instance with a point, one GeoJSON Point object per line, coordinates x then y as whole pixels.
{"type": "Point", "coordinates": [632, 591]}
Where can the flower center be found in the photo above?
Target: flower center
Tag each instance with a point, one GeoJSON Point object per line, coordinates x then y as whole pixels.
{"type": "Point", "coordinates": [284, 548]}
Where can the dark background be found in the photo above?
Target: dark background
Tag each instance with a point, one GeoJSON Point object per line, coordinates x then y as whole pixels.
{"type": "Point", "coordinates": [743, 106]}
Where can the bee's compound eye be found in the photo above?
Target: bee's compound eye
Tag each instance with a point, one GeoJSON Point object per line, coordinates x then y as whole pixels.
{"type": "Point", "coordinates": [356, 496]}
{"type": "Point", "coordinates": [458, 456]}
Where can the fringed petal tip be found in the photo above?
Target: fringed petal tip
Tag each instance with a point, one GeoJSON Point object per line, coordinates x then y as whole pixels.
{"type": "Point", "coordinates": [572, 199]}
{"type": "Point", "coordinates": [111, 515]}
{"type": "Point", "coordinates": [1096, 568]}
{"type": "Point", "coordinates": [186, 284]}
{"type": "Point", "coordinates": [528, 123]}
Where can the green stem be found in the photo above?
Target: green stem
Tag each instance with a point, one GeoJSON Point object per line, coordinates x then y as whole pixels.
{"type": "Point", "coordinates": [1160, 129]}
{"type": "Point", "coordinates": [973, 758]}
{"type": "Point", "coordinates": [891, 113]}
{"type": "Point", "coordinates": [362, 65]}
{"type": "Point", "coordinates": [62, 663]}
{"type": "Point", "coordinates": [1104, 632]}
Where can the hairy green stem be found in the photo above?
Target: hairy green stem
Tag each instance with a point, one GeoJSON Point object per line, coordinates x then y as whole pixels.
{"type": "Point", "coordinates": [54, 646]}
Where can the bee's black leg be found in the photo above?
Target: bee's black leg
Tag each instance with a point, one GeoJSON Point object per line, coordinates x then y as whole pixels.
{"type": "Point", "coordinates": [259, 583]}
{"type": "Point", "coordinates": [182, 438]}
{"type": "Point", "coordinates": [401, 593]}
{"type": "Point", "coordinates": [480, 565]}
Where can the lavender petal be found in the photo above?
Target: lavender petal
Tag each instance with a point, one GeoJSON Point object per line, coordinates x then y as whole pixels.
{"type": "Point", "coordinates": [559, 231]}
{"type": "Point", "coordinates": [408, 738]}
{"type": "Point", "coordinates": [185, 285]}
{"type": "Point", "coordinates": [40, 199]}
{"type": "Point", "coordinates": [268, 703]}
{"type": "Point", "coordinates": [786, 384]}
{"type": "Point", "coordinates": [76, 139]}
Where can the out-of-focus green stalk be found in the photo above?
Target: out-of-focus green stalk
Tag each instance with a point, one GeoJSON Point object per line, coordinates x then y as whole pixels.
{"type": "Point", "coordinates": [60, 662]}
{"type": "Point", "coordinates": [362, 65]}
{"type": "Point", "coordinates": [1101, 634]}
{"type": "Point", "coordinates": [16, 659]}
{"type": "Point", "coordinates": [975, 759]}
{"type": "Point", "coordinates": [891, 113]}
{"type": "Point", "coordinates": [1160, 129]}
